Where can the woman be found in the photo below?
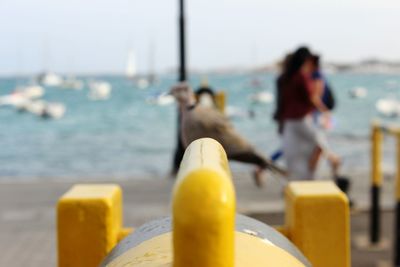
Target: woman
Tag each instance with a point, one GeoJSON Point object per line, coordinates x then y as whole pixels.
{"type": "Point", "coordinates": [298, 97]}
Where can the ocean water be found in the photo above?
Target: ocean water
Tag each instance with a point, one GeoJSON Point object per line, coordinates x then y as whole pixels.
{"type": "Point", "coordinates": [125, 137]}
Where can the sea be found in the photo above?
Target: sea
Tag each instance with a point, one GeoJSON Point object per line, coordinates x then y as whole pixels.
{"type": "Point", "coordinates": [130, 137]}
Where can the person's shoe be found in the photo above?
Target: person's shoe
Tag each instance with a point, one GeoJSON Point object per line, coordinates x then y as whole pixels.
{"type": "Point", "coordinates": [343, 183]}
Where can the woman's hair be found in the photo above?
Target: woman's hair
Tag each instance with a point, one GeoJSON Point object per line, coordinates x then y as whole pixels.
{"type": "Point", "coordinates": [296, 61]}
{"type": "Point", "coordinates": [316, 60]}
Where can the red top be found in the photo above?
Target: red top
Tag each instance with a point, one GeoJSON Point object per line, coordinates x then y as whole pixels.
{"type": "Point", "coordinates": [296, 97]}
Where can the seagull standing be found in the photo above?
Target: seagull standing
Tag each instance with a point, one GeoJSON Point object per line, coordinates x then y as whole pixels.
{"type": "Point", "coordinates": [198, 121]}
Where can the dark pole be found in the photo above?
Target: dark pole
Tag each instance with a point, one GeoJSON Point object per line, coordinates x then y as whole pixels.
{"type": "Point", "coordinates": [179, 150]}
{"type": "Point", "coordinates": [375, 214]}
{"type": "Point", "coordinates": [182, 42]}
{"type": "Point", "coordinates": [396, 250]}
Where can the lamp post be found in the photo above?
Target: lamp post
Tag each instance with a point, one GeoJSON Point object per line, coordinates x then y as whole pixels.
{"type": "Point", "coordinates": [179, 150]}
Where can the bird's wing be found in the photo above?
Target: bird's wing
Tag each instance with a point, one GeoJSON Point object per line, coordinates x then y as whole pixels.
{"type": "Point", "coordinates": [207, 122]}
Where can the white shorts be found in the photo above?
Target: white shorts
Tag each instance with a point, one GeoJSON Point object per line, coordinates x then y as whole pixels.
{"type": "Point", "coordinates": [300, 139]}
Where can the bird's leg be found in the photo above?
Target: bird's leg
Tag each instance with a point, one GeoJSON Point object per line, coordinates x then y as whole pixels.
{"type": "Point", "coordinates": [258, 179]}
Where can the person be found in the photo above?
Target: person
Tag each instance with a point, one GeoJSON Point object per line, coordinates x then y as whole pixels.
{"type": "Point", "coordinates": [327, 97]}
{"type": "Point", "coordinates": [324, 91]}
{"type": "Point", "coordinates": [297, 98]}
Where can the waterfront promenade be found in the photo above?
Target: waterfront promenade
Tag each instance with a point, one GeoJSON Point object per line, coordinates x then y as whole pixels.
{"type": "Point", "coordinates": [27, 213]}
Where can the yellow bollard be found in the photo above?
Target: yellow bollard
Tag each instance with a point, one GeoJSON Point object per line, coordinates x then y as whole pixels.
{"type": "Point", "coordinates": [89, 221]}
{"type": "Point", "coordinates": [398, 168]}
{"type": "Point", "coordinates": [220, 100]}
{"type": "Point", "coordinates": [377, 138]}
{"type": "Point", "coordinates": [376, 183]}
{"type": "Point", "coordinates": [317, 222]}
{"type": "Point", "coordinates": [396, 249]}
{"type": "Point", "coordinates": [203, 224]}
{"type": "Point", "coordinates": [203, 236]}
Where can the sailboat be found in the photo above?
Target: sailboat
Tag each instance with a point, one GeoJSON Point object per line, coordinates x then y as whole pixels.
{"type": "Point", "coordinates": [131, 71]}
{"type": "Point", "coordinates": [144, 81]}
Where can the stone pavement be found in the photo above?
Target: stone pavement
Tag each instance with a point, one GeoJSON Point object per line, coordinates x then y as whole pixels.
{"type": "Point", "coordinates": [27, 214]}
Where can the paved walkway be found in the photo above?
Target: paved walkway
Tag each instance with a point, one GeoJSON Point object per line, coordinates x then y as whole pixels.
{"type": "Point", "coordinates": [27, 214]}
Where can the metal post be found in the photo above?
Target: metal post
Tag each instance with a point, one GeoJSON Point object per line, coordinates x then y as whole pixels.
{"type": "Point", "coordinates": [396, 250]}
{"type": "Point", "coordinates": [182, 42]}
{"type": "Point", "coordinates": [376, 156]}
{"type": "Point", "coordinates": [179, 150]}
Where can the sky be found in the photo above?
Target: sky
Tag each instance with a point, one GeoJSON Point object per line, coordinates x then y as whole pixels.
{"type": "Point", "coordinates": [94, 36]}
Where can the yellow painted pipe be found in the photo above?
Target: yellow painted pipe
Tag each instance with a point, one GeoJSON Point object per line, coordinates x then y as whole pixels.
{"type": "Point", "coordinates": [204, 208]}
{"type": "Point", "coordinates": [398, 168]}
{"type": "Point", "coordinates": [376, 157]}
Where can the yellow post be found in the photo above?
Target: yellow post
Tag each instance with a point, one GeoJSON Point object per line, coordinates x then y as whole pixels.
{"type": "Point", "coordinates": [398, 168]}
{"type": "Point", "coordinates": [396, 249]}
{"type": "Point", "coordinates": [376, 183]}
{"type": "Point", "coordinates": [377, 137]}
{"type": "Point", "coordinates": [89, 221]}
{"type": "Point", "coordinates": [204, 208]}
{"type": "Point", "coordinates": [220, 100]}
{"type": "Point", "coordinates": [317, 222]}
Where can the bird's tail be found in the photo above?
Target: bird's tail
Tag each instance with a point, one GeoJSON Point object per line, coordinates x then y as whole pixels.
{"type": "Point", "coordinates": [259, 160]}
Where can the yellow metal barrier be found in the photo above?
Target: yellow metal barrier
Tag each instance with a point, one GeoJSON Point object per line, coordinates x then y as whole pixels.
{"type": "Point", "coordinates": [377, 138]}
{"type": "Point", "coordinates": [204, 231]}
{"type": "Point", "coordinates": [203, 236]}
{"type": "Point", "coordinates": [203, 224]}
{"type": "Point", "coordinates": [318, 223]}
{"type": "Point", "coordinates": [378, 131]}
{"type": "Point", "coordinates": [89, 224]}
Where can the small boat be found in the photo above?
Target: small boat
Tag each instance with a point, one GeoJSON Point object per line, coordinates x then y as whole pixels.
{"type": "Point", "coordinates": [32, 91]}
{"type": "Point", "coordinates": [21, 95]}
{"type": "Point", "coordinates": [358, 92]}
{"type": "Point", "coordinates": [54, 110]}
{"type": "Point", "coordinates": [262, 97]}
{"type": "Point", "coordinates": [72, 83]}
{"type": "Point", "coordinates": [13, 99]}
{"type": "Point", "coordinates": [99, 90]}
{"type": "Point", "coordinates": [43, 109]}
{"type": "Point", "coordinates": [389, 107]}
{"type": "Point", "coordinates": [131, 65]}
{"type": "Point", "coordinates": [162, 99]}
{"type": "Point", "coordinates": [142, 83]}
{"type": "Point", "coordinates": [238, 113]}
{"type": "Point", "coordinates": [50, 79]}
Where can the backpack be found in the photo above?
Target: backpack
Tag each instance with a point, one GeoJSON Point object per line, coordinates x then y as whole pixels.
{"type": "Point", "coordinates": [328, 98]}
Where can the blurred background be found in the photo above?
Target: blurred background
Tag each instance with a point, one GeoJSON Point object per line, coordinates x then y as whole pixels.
{"type": "Point", "coordinates": [82, 83]}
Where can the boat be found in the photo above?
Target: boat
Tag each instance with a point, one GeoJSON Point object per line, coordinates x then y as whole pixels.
{"type": "Point", "coordinates": [238, 113]}
{"type": "Point", "coordinates": [13, 99]}
{"type": "Point", "coordinates": [141, 81]}
{"type": "Point", "coordinates": [21, 95]}
{"type": "Point", "coordinates": [358, 92]}
{"type": "Point", "coordinates": [31, 91]}
{"type": "Point", "coordinates": [388, 107]}
{"type": "Point", "coordinates": [72, 83]}
{"type": "Point", "coordinates": [161, 99]}
{"type": "Point", "coordinates": [50, 79]}
{"type": "Point", "coordinates": [131, 70]}
{"type": "Point", "coordinates": [54, 110]}
{"type": "Point", "coordinates": [99, 90]}
{"type": "Point", "coordinates": [263, 97]}
{"type": "Point", "coordinates": [43, 109]}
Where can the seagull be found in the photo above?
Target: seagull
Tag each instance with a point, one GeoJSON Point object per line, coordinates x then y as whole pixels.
{"type": "Point", "coordinates": [199, 121]}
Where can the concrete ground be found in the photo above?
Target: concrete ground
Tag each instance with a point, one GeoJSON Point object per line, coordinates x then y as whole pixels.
{"type": "Point", "coordinates": [27, 215]}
